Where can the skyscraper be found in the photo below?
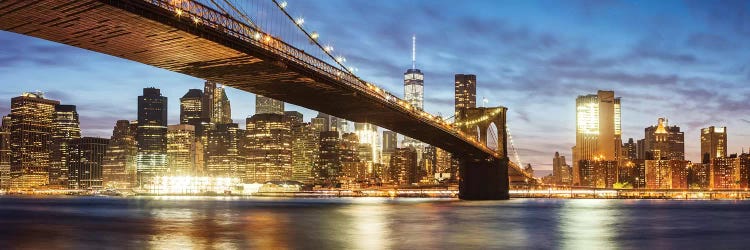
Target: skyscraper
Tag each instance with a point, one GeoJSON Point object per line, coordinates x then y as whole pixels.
{"type": "Point", "coordinates": [85, 162]}
{"type": "Point", "coordinates": [414, 82]}
{"type": "Point", "coordinates": [191, 109]}
{"type": "Point", "coordinates": [713, 143]}
{"type": "Point", "coordinates": [66, 128]}
{"type": "Point", "coordinates": [630, 150]}
{"type": "Point", "coordinates": [151, 134]}
{"type": "Point", "coordinates": [598, 132]}
{"type": "Point", "coordinates": [559, 169]}
{"type": "Point", "coordinates": [305, 139]}
{"type": "Point", "coordinates": [31, 139]}
{"type": "Point", "coordinates": [664, 142]}
{"type": "Point", "coordinates": [222, 151]}
{"type": "Point", "coordinates": [119, 166]}
{"type": "Point", "coordinates": [328, 168]}
{"type": "Point", "coordinates": [5, 153]}
{"type": "Point", "coordinates": [265, 105]}
{"type": "Point", "coordinates": [182, 147]}
{"type": "Point", "coordinates": [404, 169]}
{"type": "Point", "coordinates": [216, 107]}
{"type": "Point", "coordinates": [466, 92]}
{"type": "Point", "coordinates": [268, 148]}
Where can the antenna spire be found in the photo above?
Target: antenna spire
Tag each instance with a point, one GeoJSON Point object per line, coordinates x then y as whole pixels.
{"type": "Point", "coordinates": [413, 52]}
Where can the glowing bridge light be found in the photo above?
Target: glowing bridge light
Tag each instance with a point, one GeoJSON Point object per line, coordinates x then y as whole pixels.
{"type": "Point", "coordinates": [328, 48]}
{"type": "Point", "coordinates": [178, 12]}
{"type": "Point", "coordinates": [299, 21]}
{"type": "Point", "coordinates": [267, 39]}
{"type": "Point", "coordinates": [283, 4]}
{"type": "Point", "coordinates": [340, 59]}
{"type": "Point", "coordinates": [314, 35]}
{"type": "Point", "coordinates": [257, 36]}
{"type": "Point", "coordinates": [196, 20]}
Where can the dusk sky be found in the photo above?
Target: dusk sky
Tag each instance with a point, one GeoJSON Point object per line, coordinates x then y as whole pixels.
{"type": "Point", "coordinates": [688, 61]}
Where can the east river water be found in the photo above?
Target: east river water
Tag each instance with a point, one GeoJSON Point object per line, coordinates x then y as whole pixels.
{"type": "Point", "coordinates": [369, 223]}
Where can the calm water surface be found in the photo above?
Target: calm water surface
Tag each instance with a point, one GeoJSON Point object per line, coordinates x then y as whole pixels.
{"type": "Point", "coordinates": [369, 223]}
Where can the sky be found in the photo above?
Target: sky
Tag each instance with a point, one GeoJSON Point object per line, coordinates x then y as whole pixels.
{"type": "Point", "coordinates": [688, 61]}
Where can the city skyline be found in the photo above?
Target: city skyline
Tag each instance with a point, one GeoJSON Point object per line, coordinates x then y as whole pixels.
{"type": "Point", "coordinates": [535, 131]}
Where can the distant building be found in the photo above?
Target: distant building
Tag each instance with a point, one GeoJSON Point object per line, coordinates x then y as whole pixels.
{"type": "Point", "coordinates": [713, 143]}
{"type": "Point", "coordinates": [699, 175]}
{"type": "Point", "coordinates": [465, 92]}
{"type": "Point", "coordinates": [151, 134]}
{"type": "Point", "coordinates": [597, 173]}
{"type": "Point", "coordinates": [85, 162]}
{"type": "Point", "coordinates": [191, 110]}
{"type": "Point", "coordinates": [598, 130]}
{"type": "Point", "coordinates": [66, 128]}
{"type": "Point", "coordinates": [560, 171]}
{"type": "Point", "coordinates": [31, 132]}
{"type": "Point", "coordinates": [5, 153]}
{"type": "Point", "coordinates": [216, 107]}
{"type": "Point", "coordinates": [403, 168]}
{"type": "Point", "coordinates": [182, 150]}
{"type": "Point", "coordinates": [667, 174]}
{"type": "Point", "coordinates": [305, 150]}
{"type": "Point", "coordinates": [268, 148]}
{"type": "Point", "coordinates": [328, 168]}
{"type": "Point", "coordinates": [664, 142]}
{"type": "Point", "coordinates": [724, 172]}
{"type": "Point", "coordinates": [222, 151]}
{"type": "Point", "coordinates": [352, 169]}
{"type": "Point", "coordinates": [265, 105]}
{"type": "Point", "coordinates": [630, 150]}
{"type": "Point", "coordinates": [119, 165]}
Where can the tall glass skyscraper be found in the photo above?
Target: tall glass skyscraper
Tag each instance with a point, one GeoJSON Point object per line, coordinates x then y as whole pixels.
{"type": "Point", "coordinates": [598, 132]}
{"type": "Point", "coordinates": [152, 133]}
{"type": "Point", "coordinates": [414, 82]}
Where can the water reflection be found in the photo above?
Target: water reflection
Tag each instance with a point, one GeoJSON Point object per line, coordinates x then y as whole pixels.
{"type": "Point", "coordinates": [588, 224]}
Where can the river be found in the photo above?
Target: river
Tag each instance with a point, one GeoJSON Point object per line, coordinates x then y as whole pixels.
{"type": "Point", "coordinates": [369, 223]}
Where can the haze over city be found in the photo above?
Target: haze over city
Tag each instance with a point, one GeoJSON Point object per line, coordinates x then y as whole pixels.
{"type": "Point", "coordinates": [683, 60]}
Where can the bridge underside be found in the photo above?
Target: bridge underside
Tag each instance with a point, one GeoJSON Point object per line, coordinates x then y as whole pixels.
{"type": "Point", "coordinates": [138, 31]}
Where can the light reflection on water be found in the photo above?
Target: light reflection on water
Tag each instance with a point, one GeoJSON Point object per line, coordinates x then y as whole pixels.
{"type": "Point", "coordinates": [368, 223]}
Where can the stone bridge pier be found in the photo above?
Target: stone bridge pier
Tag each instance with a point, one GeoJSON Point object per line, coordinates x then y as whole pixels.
{"type": "Point", "coordinates": [485, 178]}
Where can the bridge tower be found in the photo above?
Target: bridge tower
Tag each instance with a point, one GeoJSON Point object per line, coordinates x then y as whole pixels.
{"type": "Point", "coordinates": [484, 179]}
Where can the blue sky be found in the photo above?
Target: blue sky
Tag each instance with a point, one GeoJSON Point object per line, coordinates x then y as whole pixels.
{"type": "Point", "coordinates": [688, 61]}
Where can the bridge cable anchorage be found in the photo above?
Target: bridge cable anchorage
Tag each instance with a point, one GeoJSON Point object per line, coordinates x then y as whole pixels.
{"type": "Point", "coordinates": [326, 50]}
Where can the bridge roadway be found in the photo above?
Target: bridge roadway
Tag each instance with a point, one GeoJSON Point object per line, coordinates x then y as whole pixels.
{"type": "Point", "coordinates": [190, 38]}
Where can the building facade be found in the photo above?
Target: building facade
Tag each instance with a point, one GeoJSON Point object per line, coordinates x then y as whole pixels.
{"type": "Point", "coordinates": [182, 150]}
{"type": "Point", "coordinates": [265, 105]}
{"type": "Point", "coordinates": [31, 132]}
{"type": "Point", "coordinates": [151, 134]}
{"type": "Point", "coordinates": [119, 163]}
{"type": "Point", "coordinates": [85, 162]}
{"type": "Point", "coordinates": [465, 92]}
{"type": "Point", "coordinates": [66, 128]}
{"type": "Point", "coordinates": [598, 130]}
{"type": "Point", "coordinates": [664, 142]}
{"type": "Point", "coordinates": [713, 143]}
{"type": "Point", "coordinates": [268, 148]}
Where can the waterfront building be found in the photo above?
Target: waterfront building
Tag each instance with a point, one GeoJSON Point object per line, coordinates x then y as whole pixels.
{"type": "Point", "coordinates": [328, 168]}
{"type": "Point", "coordinates": [151, 134]}
{"type": "Point", "coordinates": [268, 148]}
{"type": "Point", "coordinates": [5, 153]}
{"type": "Point", "coordinates": [182, 150]}
{"type": "Point", "coordinates": [699, 175]}
{"type": "Point", "coordinates": [265, 105]}
{"type": "Point", "coordinates": [222, 152]}
{"type": "Point", "coordinates": [664, 142]}
{"type": "Point", "coordinates": [119, 165]}
{"type": "Point", "coordinates": [404, 169]}
{"type": "Point", "coordinates": [305, 149]}
{"type": "Point", "coordinates": [560, 170]}
{"type": "Point", "coordinates": [724, 172]}
{"type": "Point", "coordinates": [31, 132]}
{"type": "Point", "coordinates": [352, 169]}
{"type": "Point", "coordinates": [713, 143]}
{"type": "Point", "coordinates": [66, 127]}
{"type": "Point", "coordinates": [86, 156]}
{"type": "Point", "coordinates": [598, 130]}
{"type": "Point", "coordinates": [443, 165]}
